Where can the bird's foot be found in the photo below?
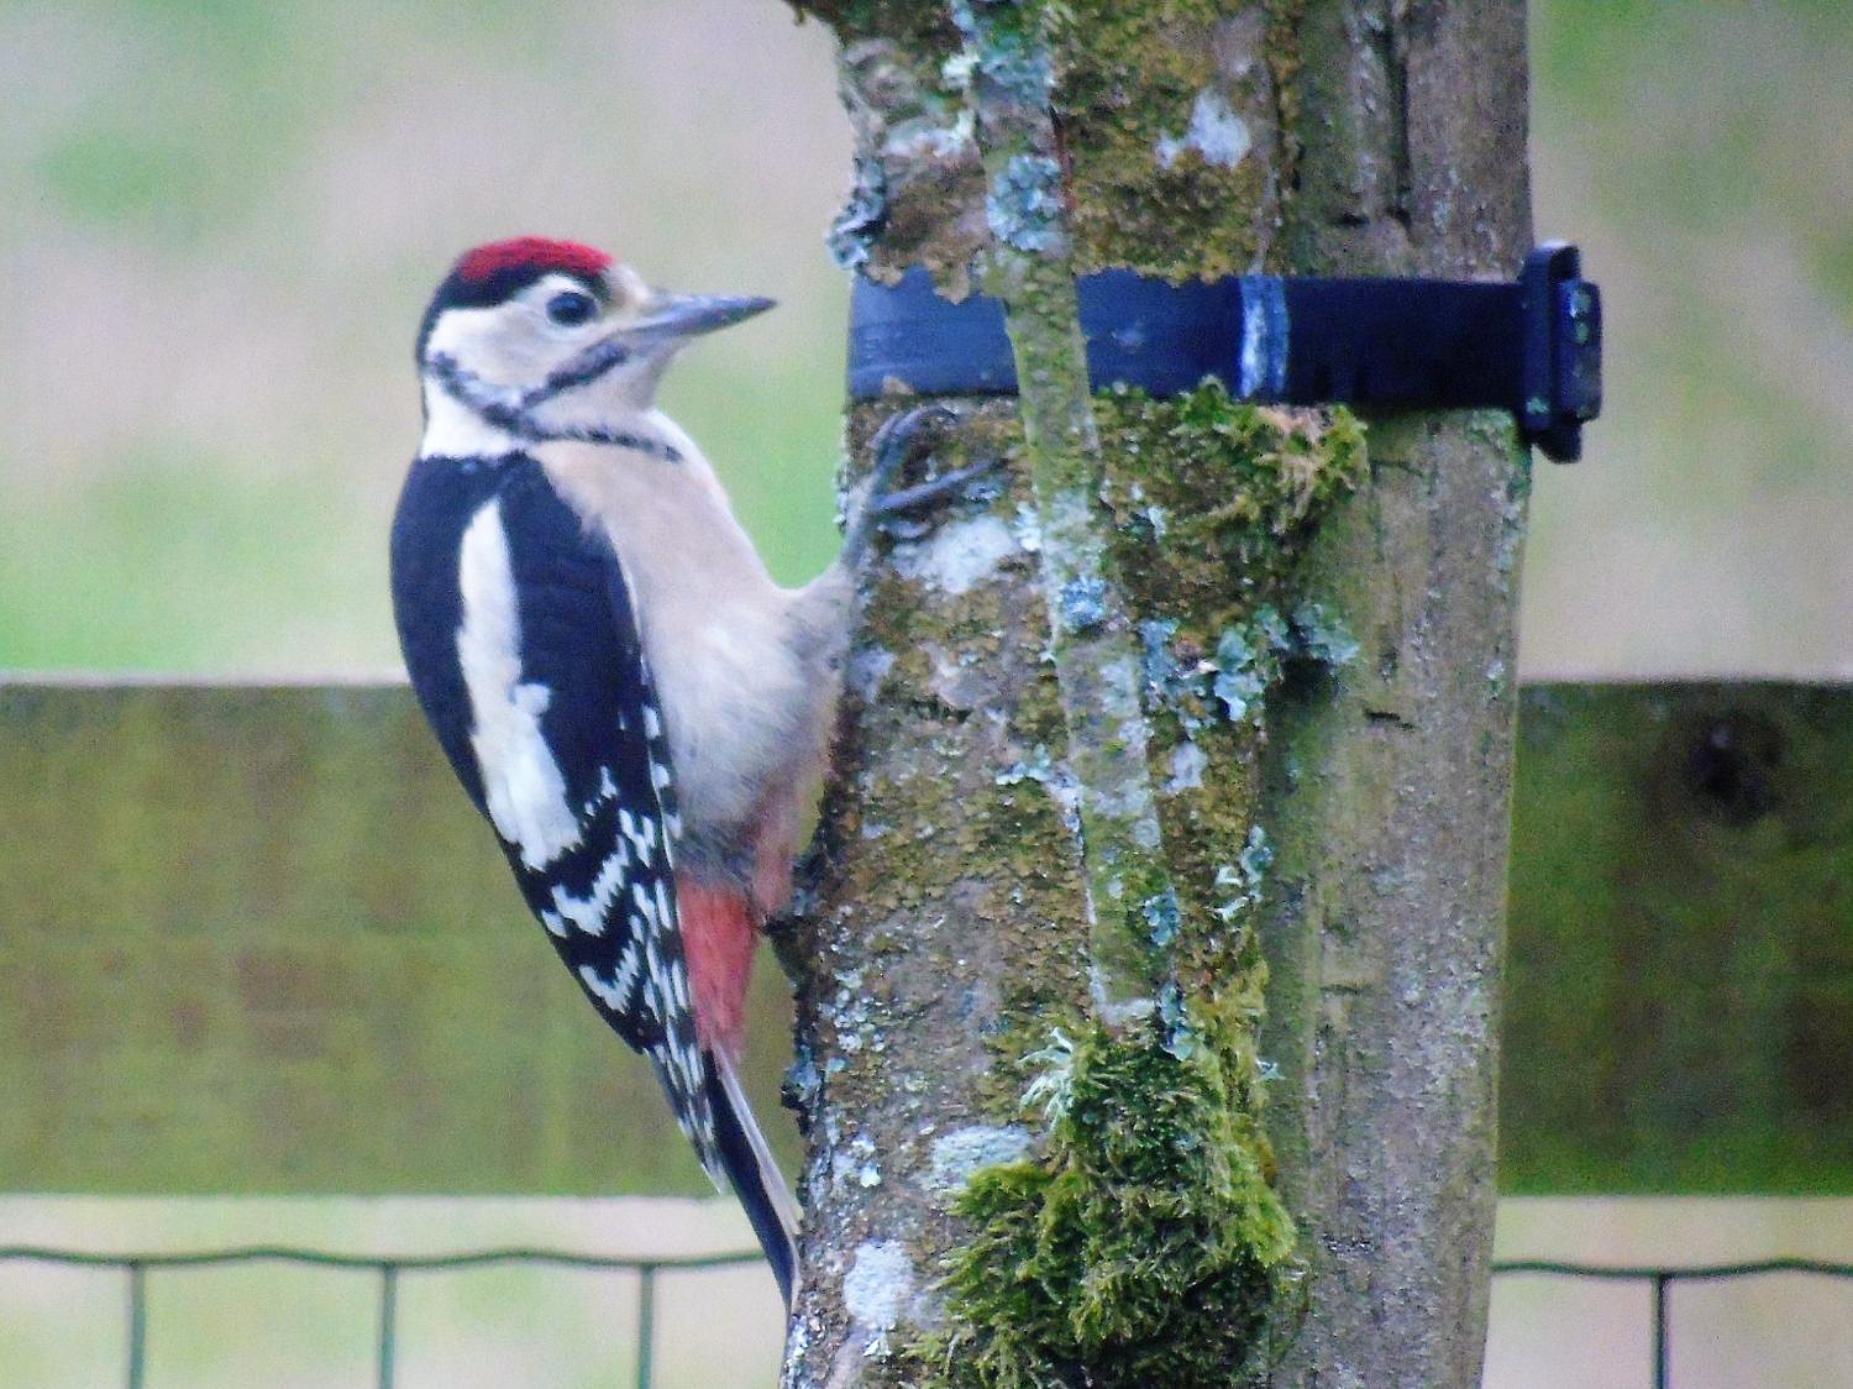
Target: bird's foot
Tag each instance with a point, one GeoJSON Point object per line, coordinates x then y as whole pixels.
{"type": "Point", "coordinates": [906, 499]}
{"type": "Point", "coordinates": [897, 444]}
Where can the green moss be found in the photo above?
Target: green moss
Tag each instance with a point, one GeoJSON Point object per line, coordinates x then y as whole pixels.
{"type": "Point", "coordinates": [1130, 78]}
{"type": "Point", "coordinates": [1127, 82]}
{"type": "Point", "coordinates": [1285, 60]}
{"type": "Point", "coordinates": [1234, 488]}
{"type": "Point", "coordinates": [1213, 502]}
{"type": "Point", "coordinates": [1144, 1248]}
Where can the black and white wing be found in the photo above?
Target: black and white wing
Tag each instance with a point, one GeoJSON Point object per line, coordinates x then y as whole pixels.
{"type": "Point", "coordinates": [523, 650]}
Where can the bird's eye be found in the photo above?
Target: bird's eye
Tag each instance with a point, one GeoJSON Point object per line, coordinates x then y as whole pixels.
{"type": "Point", "coordinates": [571, 308]}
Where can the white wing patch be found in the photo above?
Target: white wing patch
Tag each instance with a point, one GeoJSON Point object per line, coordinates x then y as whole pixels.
{"type": "Point", "coordinates": [640, 830]}
{"type": "Point", "coordinates": [588, 912]}
{"type": "Point", "coordinates": [523, 786]}
{"type": "Point", "coordinates": [607, 788]}
{"type": "Point", "coordinates": [609, 994]}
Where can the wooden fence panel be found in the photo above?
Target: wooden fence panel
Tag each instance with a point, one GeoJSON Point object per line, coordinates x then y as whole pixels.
{"type": "Point", "coordinates": [254, 940]}
{"type": "Point", "coordinates": [1679, 1011]}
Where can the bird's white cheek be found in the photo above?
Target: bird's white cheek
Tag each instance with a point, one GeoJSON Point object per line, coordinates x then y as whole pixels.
{"type": "Point", "coordinates": [454, 430]}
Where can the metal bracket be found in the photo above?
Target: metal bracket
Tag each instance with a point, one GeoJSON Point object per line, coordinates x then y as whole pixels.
{"type": "Point", "coordinates": [1563, 351]}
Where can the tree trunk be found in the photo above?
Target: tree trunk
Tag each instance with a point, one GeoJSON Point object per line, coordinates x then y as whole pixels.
{"type": "Point", "coordinates": [1192, 694]}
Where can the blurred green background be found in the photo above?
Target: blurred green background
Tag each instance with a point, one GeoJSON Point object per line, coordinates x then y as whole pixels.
{"type": "Point", "coordinates": [221, 220]}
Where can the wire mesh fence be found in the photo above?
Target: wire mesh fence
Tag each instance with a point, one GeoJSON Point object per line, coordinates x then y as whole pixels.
{"type": "Point", "coordinates": [388, 1271]}
{"type": "Point", "coordinates": [1660, 1281]}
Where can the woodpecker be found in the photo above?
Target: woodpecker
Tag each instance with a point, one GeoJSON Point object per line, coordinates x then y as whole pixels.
{"type": "Point", "coordinates": [638, 709]}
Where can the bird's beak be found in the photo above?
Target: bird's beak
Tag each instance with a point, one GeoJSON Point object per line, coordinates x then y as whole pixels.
{"type": "Point", "coordinates": [673, 317]}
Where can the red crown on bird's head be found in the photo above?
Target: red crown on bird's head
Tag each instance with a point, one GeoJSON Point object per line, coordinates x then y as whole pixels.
{"type": "Point", "coordinates": [535, 253]}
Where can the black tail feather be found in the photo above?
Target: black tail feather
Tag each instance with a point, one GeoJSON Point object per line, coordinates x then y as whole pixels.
{"type": "Point", "coordinates": [756, 1181]}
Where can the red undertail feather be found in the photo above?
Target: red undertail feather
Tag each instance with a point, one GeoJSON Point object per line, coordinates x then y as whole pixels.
{"type": "Point", "coordinates": [535, 252]}
{"type": "Point", "coordinates": [718, 939]}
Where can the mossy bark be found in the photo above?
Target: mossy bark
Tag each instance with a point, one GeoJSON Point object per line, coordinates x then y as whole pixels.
{"type": "Point", "coordinates": [1391, 795]}
{"type": "Point", "coordinates": [1093, 700]}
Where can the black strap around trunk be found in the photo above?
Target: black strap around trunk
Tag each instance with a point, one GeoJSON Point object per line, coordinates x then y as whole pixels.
{"type": "Point", "coordinates": [1532, 347]}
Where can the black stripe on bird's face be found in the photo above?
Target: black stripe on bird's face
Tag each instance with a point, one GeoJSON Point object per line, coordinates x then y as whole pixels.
{"type": "Point", "coordinates": [511, 413]}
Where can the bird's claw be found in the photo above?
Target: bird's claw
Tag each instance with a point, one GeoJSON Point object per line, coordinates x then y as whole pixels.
{"type": "Point", "coordinates": [895, 445]}
{"type": "Point", "coordinates": [887, 504]}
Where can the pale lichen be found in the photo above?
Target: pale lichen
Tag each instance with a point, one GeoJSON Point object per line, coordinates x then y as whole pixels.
{"type": "Point", "coordinates": [1024, 205]}
{"type": "Point", "coordinates": [877, 1291]}
{"type": "Point", "coordinates": [858, 226]}
{"type": "Point", "coordinates": [1216, 133]}
{"type": "Point", "coordinates": [1082, 603]}
{"type": "Point", "coordinates": [960, 1155]}
{"type": "Point", "coordinates": [1322, 636]}
{"type": "Point", "coordinates": [959, 555]}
